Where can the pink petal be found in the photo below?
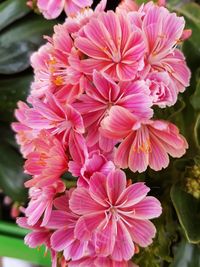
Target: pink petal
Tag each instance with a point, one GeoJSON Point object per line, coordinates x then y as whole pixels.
{"type": "Point", "coordinates": [118, 117]}
{"type": "Point", "coordinates": [116, 184]}
{"type": "Point", "coordinates": [87, 225]}
{"type": "Point", "coordinates": [142, 232]}
{"type": "Point", "coordinates": [105, 238]}
{"type": "Point", "coordinates": [124, 246]}
{"type": "Point", "coordinates": [148, 208]}
{"type": "Point", "coordinates": [82, 203]}
{"type": "Point", "coordinates": [60, 239]}
{"type": "Point", "coordinates": [133, 194]}
{"type": "Point", "coordinates": [97, 189]}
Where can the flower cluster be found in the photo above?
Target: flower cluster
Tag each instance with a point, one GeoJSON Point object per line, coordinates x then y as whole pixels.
{"type": "Point", "coordinates": [90, 112]}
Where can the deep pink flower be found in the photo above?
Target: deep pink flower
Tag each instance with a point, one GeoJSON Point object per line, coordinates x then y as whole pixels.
{"type": "Point", "coordinates": [113, 216]}
{"type": "Point", "coordinates": [100, 262]}
{"type": "Point", "coordinates": [63, 221]}
{"type": "Point", "coordinates": [111, 46]}
{"type": "Point", "coordinates": [41, 202]}
{"type": "Point", "coordinates": [52, 9]}
{"type": "Point", "coordinates": [94, 162]}
{"type": "Point", "coordinates": [145, 143]}
{"type": "Point", "coordinates": [96, 103]}
{"type": "Point", "coordinates": [48, 161]}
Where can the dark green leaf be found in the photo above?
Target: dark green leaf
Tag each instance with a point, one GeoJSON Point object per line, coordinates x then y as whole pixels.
{"type": "Point", "coordinates": [186, 255]}
{"type": "Point", "coordinates": [197, 132]}
{"type": "Point", "coordinates": [12, 10]}
{"type": "Point", "coordinates": [11, 91]}
{"type": "Point", "coordinates": [195, 98]}
{"type": "Point", "coordinates": [11, 173]}
{"type": "Point", "coordinates": [188, 212]}
{"type": "Point", "coordinates": [20, 40]}
{"type": "Point", "coordinates": [13, 60]}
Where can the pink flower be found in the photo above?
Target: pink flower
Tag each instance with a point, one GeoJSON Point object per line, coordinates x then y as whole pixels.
{"type": "Point", "coordinates": [48, 161]}
{"type": "Point", "coordinates": [144, 142]}
{"type": "Point", "coordinates": [100, 262]}
{"type": "Point", "coordinates": [94, 162]}
{"type": "Point", "coordinates": [96, 103]}
{"type": "Point", "coordinates": [25, 135]}
{"type": "Point", "coordinates": [39, 235]}
{"type": "Point", "coordinates": [114, 217]}
{"type": "Point", "coordinates": [41, 203]}
{"type": "Point", "coordinates": [127, 6]}
{"type": "Point", "coordinates": [111, 46]}
{"type": "Point", "coordinates": [163, 31]}
{"type": "Point", "coordinates": [162, 89]}
{"type": "Point", "coordinates": [63, 221]}
{"type": "Point", "coordinates": [56, 68]}
{"type": "Point", "coordinates": [52, 9]}
{"type": "Point", "coordinates": [74, 24]}
{"type": "Point", "coordinates": [51, 115]}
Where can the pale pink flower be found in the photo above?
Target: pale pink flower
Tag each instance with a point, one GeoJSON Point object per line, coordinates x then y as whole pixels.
{"type": "Point", "coordinates": [39, 235]}
{"type": "Point", "coordinates": [47, 162]}
{"type": "Point", "coordinates": [111, 46]}
{"type": "Point", "coordinates": [60, 120]}
{"type": "Point", "coordinates": [75, 23]}
{"type": "Point", "coordinates": [162, 89]}
{"type": "Point", "coordinates": [105, 93]}
{"type": "Point", "coordinates": [162, 33]}
{"type": "Point", "coordinates": [63, 221]}
{"type": "Point", "coordinates": [100, 262]}
{"type": "Point", "coordinates": [145, 143]}
{"type": "Point", "coordinates": [127, 6]}
{"type": "Point", "coordinates": [41, 203]}
{"type": "Point", "coordinates": [113, 216]}
{"type": "Point", "coordinates": [51, 9]}
{"type": "Point", "coordinates": [94, 162]}
{"type": "Point", "coordinates": [25, 135]}
{"type": "Point", "coordinates": [56, 68]}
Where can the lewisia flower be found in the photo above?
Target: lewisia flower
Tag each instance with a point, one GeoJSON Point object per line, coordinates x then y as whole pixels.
{"type": "Point", "coordinates": [41, 202]}
{"type": "Point", "coordinates": [111, 45]}
{"type": "Point", "coordinates": [163, 32]}
{"type": "Point", "coordinates": [52, 9]}
{"type": "Point", "coordinates": [99, 262]}
{"type": "Point", "coordinates": [63, 220]}
{"type": "Point", "coordinates": [145, 143]}
{"type": "Point", "coordinates": [96, 103]}
{"type": "Point", "coordinates": [48, 161]}
{"type": "Point", "coordinates": [25, 135]}
{"type": "Point", "coordinates": [114, 217]}
{"type": "Point", "coordinates": [94, 162]}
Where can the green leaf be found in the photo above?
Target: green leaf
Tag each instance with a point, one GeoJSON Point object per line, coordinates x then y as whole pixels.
{"type": "Point", "coordinates": [186, 255]}
{"type": "Point", "coordinates": [12, 10]}
{"type": "Point", "coordinates": [12, 177]}
{"type": "Point", "coordinates": [191, 13]}
{"type": "Point", "coordinates": [197, 132]}
{"type": "Point", "coordinates": [188, 212]}
{"type": "Point", "coordinates": [18, 41]}
{"type": "Point", "coordinates": [195, 98]}
{"type": "Point", "coordinates": [11, 91]}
